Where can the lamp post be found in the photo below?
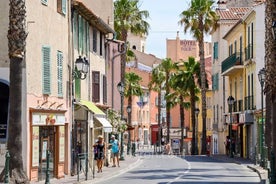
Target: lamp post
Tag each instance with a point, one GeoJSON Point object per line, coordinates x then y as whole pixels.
{"type": "Point", "coordinates": [261, 76]}
{"type": "Point", "coordinates": [129, 123]}
{"type": "Point", "coordinates": [81, 68]}
{"type": "Point", "coordinates": [230, 102]}
{"type": "Point", "coordinates": [196, 129]}
{"type": "Point", "coordinates": [121, 89]}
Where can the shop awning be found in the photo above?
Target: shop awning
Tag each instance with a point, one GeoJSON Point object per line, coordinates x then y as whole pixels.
{"type": "Point", "coordinates": [106, 125]}
{"type": "Point", "coordinates": [92, 107]}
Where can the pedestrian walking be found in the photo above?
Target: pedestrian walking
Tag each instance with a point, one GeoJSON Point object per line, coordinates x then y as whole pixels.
{"type": "Point", "coordinates": [100, 152]}
{"type": "Point", "coordinates": [115, 150]}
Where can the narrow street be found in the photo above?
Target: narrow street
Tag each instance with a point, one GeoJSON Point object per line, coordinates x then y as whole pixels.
{"type": "Point", "coordinates": [171, 169]}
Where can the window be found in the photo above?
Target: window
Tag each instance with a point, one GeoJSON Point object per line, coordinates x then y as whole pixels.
{"type": "Point", "coordinates": [94, 40]}
{"type": "Point", "coordinates": [95, 86]}
{"type": "Point", "coordinates": [45, 2]}
{"type": "Point", "coordinates": [80, 33]}
{"type": "Point", "coordinates": [104, 90]}
{"type": "Point", "coordinates": [101, 44]}
{"type": "Point", "coordinates": [215, 50]}
{"type": "Point", "coordinates": [59, 73]}
{"type": "Point", "coordinates": [46, 70]}
{"type": "Point", "coordinates": [215, 82]}
{"type": "Point", "coordinates": [61, 6]}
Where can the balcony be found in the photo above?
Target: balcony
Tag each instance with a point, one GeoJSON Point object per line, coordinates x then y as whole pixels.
{"type": "Point", "coordinates": [248, 52]}
{"type": "Point", "coordinates": [232, 64]}
{"type": "Point", "coordinates": [248, 103]}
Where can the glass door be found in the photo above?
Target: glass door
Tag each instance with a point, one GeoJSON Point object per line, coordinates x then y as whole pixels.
{"type": "Point", "coordinates": [46, 143]}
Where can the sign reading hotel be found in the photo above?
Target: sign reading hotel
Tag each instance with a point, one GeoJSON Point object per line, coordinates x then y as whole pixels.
{"type": "Point", "coordinates": [187, 45]}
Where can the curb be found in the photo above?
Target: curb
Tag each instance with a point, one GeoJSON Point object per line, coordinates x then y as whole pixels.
{"type": "Point", "coordinates": [262, 174]}
{"type": "Point", "coordinates": [115, 173]}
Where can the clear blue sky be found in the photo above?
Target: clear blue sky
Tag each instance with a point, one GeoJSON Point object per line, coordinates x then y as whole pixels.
{"type": "Point", "coordinates": [164, 17]}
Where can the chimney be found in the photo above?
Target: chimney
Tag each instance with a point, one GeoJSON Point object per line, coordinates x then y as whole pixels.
{"type": "Point", "coordinates": [222, 4]}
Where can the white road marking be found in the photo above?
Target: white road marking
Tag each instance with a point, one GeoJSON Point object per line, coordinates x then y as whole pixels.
{"type": "Point", "coordinates": [182, 174]}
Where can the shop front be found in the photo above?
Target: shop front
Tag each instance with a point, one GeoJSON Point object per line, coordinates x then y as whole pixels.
{"type": "Point", "coordinates": [48, 136]}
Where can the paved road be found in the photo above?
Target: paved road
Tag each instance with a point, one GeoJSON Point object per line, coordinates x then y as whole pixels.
{"type": "Point", "coordinates": [167, 169]}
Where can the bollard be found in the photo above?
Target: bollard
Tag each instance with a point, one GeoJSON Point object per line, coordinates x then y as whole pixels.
{"type": "Point", "coordinates": [7, 168]}
{"type": "Point", "coordinates": [47, 180]}
{"type": "Point", "coordinates": [133, 149]}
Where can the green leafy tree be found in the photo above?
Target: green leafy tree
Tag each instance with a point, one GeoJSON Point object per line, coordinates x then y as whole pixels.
{"type": "Point", "coordinates": [191, 70]}
{"type": "Point", "coordinates": [129, 18]}
{"type": "Point", "coordinates": [200, 19]}
{"type": "Point", "coordinates": [157, 84]}
{"type": "Point", "coordinates": [179, 96]}
{"type": "Point", "coordinates": [168, 67]}
{"type": "Point", "coordinates": [132, 88]}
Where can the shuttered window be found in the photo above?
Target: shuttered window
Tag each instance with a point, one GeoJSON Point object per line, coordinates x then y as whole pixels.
{"type": "Point", "coordinates": [61, 6]}
{"type": "Point", "coordinates": [77, 88]}
{"type": "Point", "coordinates": [95, 86]}
{"type": "Point", "coordinates": [45, 2]}
{"type": "Point", "coordinates": [80, 24]}
{"type": "Point", "coordinates": [104, 90]}
{"type": "Point", "coordinates": [94, 40]}
{"type": "Point", "coordinates": [216, 50]}
{"type": "Point", "coordinates": [59, 73]}
{"type": "Point", "coordinates": [215, 82]}
{"type": "Point", "coordinates": [46, 70]}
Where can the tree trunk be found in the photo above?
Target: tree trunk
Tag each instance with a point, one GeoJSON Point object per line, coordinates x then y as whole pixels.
{"type": "Point", "coordinates": [270, 85]}
{"type": "Point", "coordinates": [203, 88]}
{"type": "Point", "coordinates": [168, 114]}
{"type": "Point", "coordinates": [194, 146]}
{"type": "Point", "coordinates": [182, 120]}
{"type": "Point", "coordinates": [17, 43]}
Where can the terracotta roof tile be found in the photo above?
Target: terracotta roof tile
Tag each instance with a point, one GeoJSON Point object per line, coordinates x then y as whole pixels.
{"type": "Point", "coordinates": [233, 13]}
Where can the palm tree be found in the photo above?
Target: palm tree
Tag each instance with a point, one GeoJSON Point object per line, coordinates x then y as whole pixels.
{"type": "Point", "coordinates": [179, 96]}
{"type": "Point", "coordinates": [132, 88]}
{"type": "Point", "coordinates": [17, 43]}
{"type": "Point", "coordinates": [128, 18]}
{"type": "Point", "coordinates": [192, 73]}
{"type": "Point", "coordinates": [167, 66]}
{"type": "Point", "coordinates": [200, 19]}
{"type": "Point", "coordinates": [157, 84]}
{"type": "Point", "coordinates": [270, 87]}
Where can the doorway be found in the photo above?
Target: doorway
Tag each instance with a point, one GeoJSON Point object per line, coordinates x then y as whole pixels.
{"type": "Point", "coordinates": [47, 142]}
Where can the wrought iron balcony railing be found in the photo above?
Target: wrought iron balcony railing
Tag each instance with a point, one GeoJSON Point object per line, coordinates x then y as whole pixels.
{"type": "Point", "coordinates": [234, 59]}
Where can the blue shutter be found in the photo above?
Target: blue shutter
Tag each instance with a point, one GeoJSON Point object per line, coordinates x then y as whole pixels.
{"type": "Point", "coordinates": [59, 73]}
{"type": "Point", "coordinates": [217, 81]}
{"type": "Point", "coordinates": [45, 2]}
{"type": "Point", "coordinates": [63, 6]}
{"type": "Point", "coordinates": [216, 50]}
{"type": "Point", "coordinates": [46, 70]}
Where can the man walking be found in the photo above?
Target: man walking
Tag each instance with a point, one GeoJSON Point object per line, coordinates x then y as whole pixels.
{"type": "Point", "coordinates": [115, 150]}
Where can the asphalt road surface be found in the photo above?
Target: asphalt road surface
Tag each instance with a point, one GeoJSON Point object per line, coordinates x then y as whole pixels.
{"type": "Point", "coordinates": [170, 169]}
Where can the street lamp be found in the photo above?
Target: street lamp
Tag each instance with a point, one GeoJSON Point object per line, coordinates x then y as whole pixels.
{"type": "Point", "coordinates": [81, 68]}
{"type": "Point", "coordinates": [261, 76]}
{"type": "Point", "coordinates": [196, 129]}
{"type": "Point", "coordinates": [129, 124]}
{"type": "Point", "coordinates": [230, 102]}
{"type": "Point", "coordinates": [121, 89]}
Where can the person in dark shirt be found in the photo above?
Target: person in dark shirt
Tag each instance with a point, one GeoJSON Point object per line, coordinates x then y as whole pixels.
{"type": "Point", "coordinates": [99, 151]}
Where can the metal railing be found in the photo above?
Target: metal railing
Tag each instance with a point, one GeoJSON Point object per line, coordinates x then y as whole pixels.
{"type": "Point", "coordinates": [234, 59]}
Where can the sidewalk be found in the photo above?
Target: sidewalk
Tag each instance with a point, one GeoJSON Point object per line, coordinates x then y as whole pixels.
{"type": "Point", "coordinates": [108, 172]}
{"type": "Point", "coordinates": [263, 174]}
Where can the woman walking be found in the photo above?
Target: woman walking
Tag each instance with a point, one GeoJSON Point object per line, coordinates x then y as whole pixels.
{"type": "Point", "coordinates": [99, 149]}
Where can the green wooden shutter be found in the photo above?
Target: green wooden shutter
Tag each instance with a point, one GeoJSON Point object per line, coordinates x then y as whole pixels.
{"type": "Point", "coordinates": [216, 50]}
{"type": "Point", "coordinates": [59, 73]}
{"type": "Point", "coordinates": [45, 2]}
{"type": "Point", "coordinates": [80, 21]}
{"type": "Point", "coordinates": [217, 81]}
{"type": "Point", "coordinates": [77, 88]}
{"type": "Point", "coordinates": [63, 6]}
{"type": "Point", "coordinates": [46, 70]}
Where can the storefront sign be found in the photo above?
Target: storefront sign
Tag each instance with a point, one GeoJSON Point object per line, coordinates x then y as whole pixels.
{"type": "Point", "coordinates": [35, 147]}
{"type": "Point", "coordinates": [61, 143]}
{"type": "Point", "coordinates": [48, 119]}
{"type": "Point", "coordinates": [174, 132]}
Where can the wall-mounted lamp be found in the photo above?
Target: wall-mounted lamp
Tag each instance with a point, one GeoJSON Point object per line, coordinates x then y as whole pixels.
{"type": "Point", "coordinates": [81, 68]}
{"type": "Point", "coordinates": [274, 29]}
